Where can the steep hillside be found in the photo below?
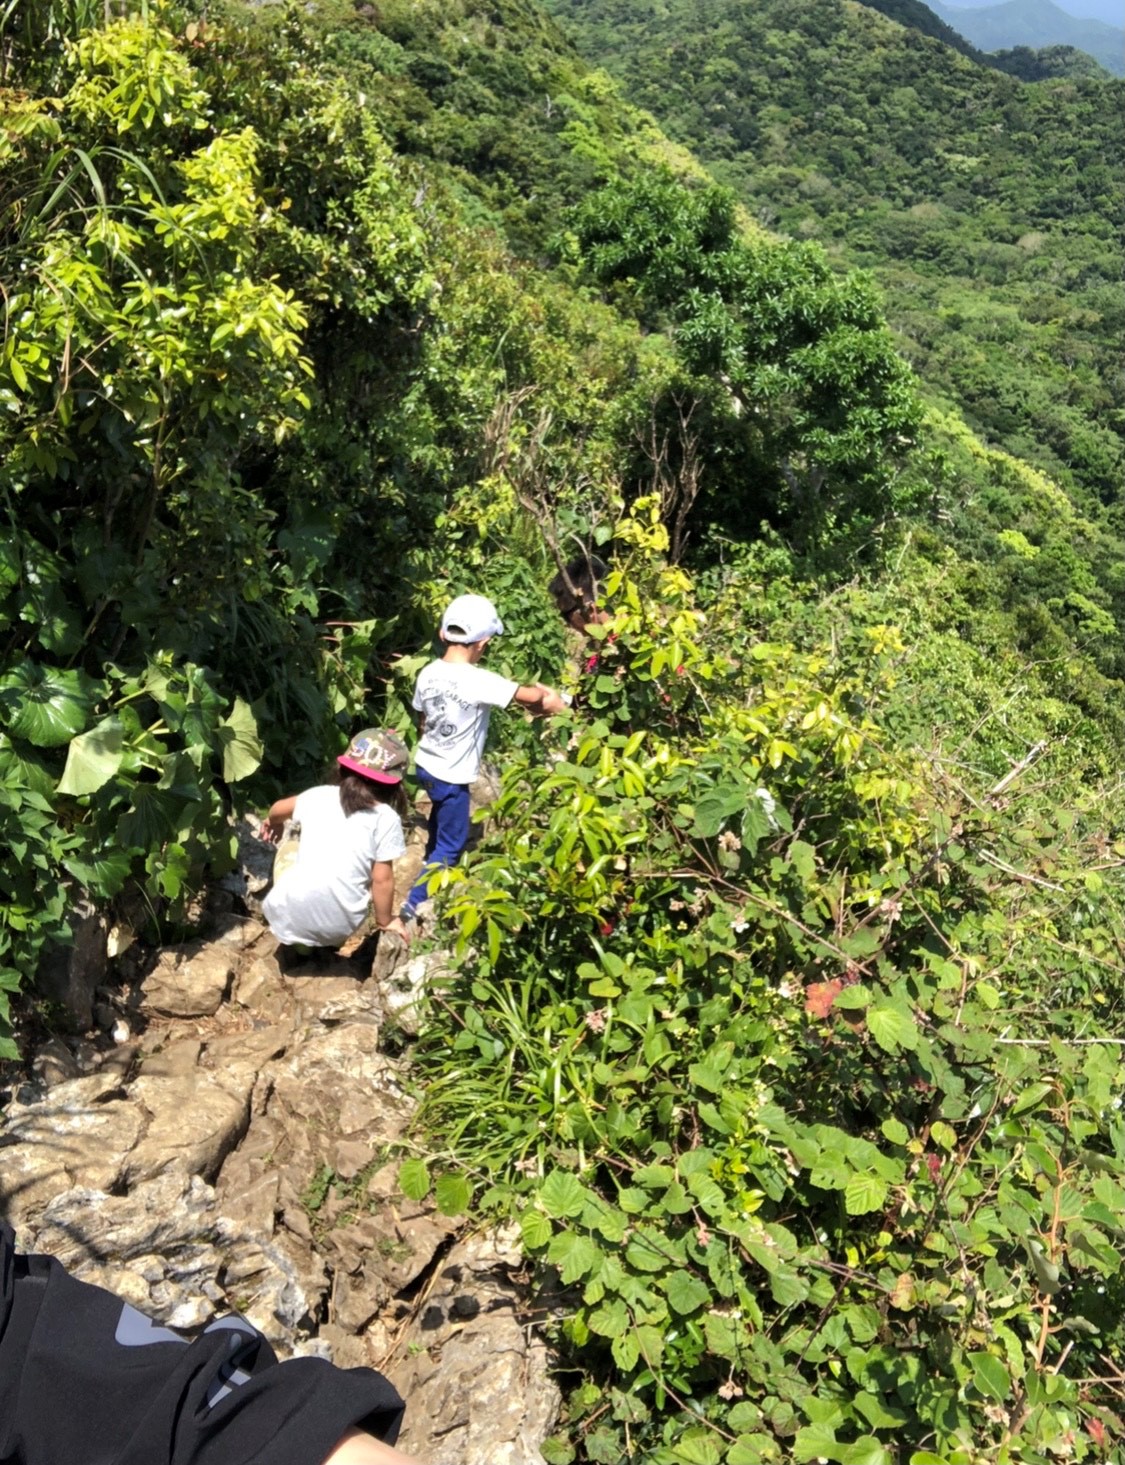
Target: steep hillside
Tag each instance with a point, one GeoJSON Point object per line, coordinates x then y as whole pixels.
{"type": "Point", "coordinates": [783, 1023]}
{"type": "Point", "coordinates": [990, 210]}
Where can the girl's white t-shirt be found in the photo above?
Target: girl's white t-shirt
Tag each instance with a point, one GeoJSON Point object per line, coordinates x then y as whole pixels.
{"type": "Point", "coordinates": [457, 698]}
{"type": "Point", "coordinates": [322, 898]}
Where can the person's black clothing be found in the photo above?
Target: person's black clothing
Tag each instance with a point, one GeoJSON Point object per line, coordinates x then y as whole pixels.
{"type": "Point", "coordinates": [85, 1378]}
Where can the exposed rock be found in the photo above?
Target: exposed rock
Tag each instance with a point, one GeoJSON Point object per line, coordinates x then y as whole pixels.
{"type": "Point", "coordinates": [167, 1248]}
{"type": "Point", "coordinates": [402, 989]}
{"type": "Point", "coordinates": [479, 1386]}
{"type": "Point", "coordinates": [189, 981]}
{"type": "Point", "coordinates": [232, 929]}
{"type": "Point", "coordinates": [260, 988]}
{"type": "Point", "coordinates": [175, 1060]}
{"type": "Point", "coordinates": [239, 1154]}
{"type": "Point", "coordinates": [69, 974]}
{"type": "Point", "coordinates": [77, 1135]}
{"type": "Point", "coordinates": [195, 1122]}
{"type": "Point", "coordinates": [55, 1063]}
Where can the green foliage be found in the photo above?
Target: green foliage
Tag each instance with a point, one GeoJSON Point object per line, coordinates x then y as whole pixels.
{"type": "Point", "coordinates": [986, 207]}
{"type": "Point", "coordinates": [746, 1042]}
{"type": "Point", "coordinates": [818, 405]}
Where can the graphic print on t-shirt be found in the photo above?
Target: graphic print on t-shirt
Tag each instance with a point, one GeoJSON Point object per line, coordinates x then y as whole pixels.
{"type": "Point", "coordinates": [456, 700]}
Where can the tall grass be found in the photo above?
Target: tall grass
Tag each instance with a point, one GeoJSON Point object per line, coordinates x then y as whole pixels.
{"type": "Point", "coordinates": [33, 32]}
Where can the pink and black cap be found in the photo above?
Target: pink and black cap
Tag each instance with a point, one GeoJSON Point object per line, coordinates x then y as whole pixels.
{"type": "Point", "coordinates": [378, 754]}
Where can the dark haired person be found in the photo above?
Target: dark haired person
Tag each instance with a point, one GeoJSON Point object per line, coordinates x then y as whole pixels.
{"type": "Point", "coordinates": [338, 856]}
{"type": "Point", "coordinates": [575, 591]}
{"type": "Point", "coordinates": [86, 1378]}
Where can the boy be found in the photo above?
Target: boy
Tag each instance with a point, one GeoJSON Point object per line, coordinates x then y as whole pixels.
{"type": "Point", "coordinates": [455, 697]}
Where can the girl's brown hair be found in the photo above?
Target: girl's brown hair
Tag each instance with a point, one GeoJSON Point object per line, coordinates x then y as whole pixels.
{"type": "Point", "coordinates": [357, 793]}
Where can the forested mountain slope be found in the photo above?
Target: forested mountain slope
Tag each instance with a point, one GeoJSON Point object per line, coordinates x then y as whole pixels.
{"type": "Point", "coordinates": [992, 211]}
{"type": "Point", "coordinates": [785, 1024]}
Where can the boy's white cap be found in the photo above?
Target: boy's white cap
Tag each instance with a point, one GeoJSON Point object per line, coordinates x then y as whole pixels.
{"type": "Point", "coordinates": [470, 618]}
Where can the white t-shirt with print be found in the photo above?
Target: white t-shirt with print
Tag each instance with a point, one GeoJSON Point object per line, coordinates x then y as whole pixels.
{"type": "Point", "coordinates": [323, 897]}
{"type": "Point", "coordinates": [457, 699]}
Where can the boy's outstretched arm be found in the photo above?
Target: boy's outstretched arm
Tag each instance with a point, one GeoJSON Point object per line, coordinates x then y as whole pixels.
{"type": "Point", "coordinates": [539, 700]}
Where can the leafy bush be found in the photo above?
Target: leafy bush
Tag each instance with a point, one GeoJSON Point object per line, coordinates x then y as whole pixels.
{"type": "Point", "coordinates": [786, 1050]}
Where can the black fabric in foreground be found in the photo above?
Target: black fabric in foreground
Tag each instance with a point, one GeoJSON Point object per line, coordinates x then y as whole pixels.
{"type": "Point", "coordinates": [85, 1377]}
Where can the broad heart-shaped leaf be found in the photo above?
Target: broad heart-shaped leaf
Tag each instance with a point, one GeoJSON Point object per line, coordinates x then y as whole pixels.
{"type": "Point", "coordinates": [753, 1449]}
{"type": "Point", "coordinates": [699, 1447]}
{"type": "Point", "coordinates": [414, 1179]}
{"type": "Point", "coordinates": [864, 1193]}
{"type": "Point", "coordinates": [239, 740]}
{"type": "Point", "coordinates": [573, 1254]}
{"type": "Point", "coordinates": [453, 1194]}
{"type": "Point", "coordinates": [816, 1442]}
{"type": "Point", "coordinates": [626, 1351]}
{"type": "Point", "coordinates": [562, 1194]}
{"type": "Point", "coordinates": [150, 819]}
{"type": "Point", "coordinates": [609, 1320]}
{"type": "Point", "coordinates": [104, 874]}
{"type": "Point", "coordinates": [20, 768]}
{"type": "Point", "coordinates": [715, 807]}
{"type": "Point", "coordinates": [686, 1293]}
{"type": "Point", "coordinates": [892, 1028]}
{"type": "Point", "coordinates": [535, 1228]}
{"type": "Point", "coordinates": [867, 1450]}
{"type": "Point", "coordinates": [45, 705]}
{"type": "Point", "coordinates": [93, 757]}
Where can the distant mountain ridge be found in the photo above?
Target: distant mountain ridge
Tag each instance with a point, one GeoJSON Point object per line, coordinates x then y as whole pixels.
{"type": "Point", "coordinates": [1027, 63]}
{"type": "Point", "coordinates": [1107, 10]}
{"type": "Point", "coordinates": [1035, 23]}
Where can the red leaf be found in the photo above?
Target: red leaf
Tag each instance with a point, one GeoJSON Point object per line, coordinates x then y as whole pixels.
{"type": "Point", "coordinates": [819, 997]}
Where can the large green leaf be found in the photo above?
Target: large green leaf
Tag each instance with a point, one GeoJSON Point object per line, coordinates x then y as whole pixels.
{"type": "Point", "coordinates": [562, 1194]}
{"type": "Point", "coordinates": [20, 768]}
{"type": "Point", "coordinates": [93, 757]}
{"type": "Point", "coordinates": [864, 1193]}
{"type": "Point", "coordinates": [990, 1376]}
{"type": "Point", "coordinates": [102, 874]}
{"type": "Point", "coordinates": [892, 1028]}
{"type": "Point", "coordinates": [686, 1293]}
{"type": "Point", "coordinates": [150, 819]}
{"type": "Point", "coordinates": [453, 1194]}
{"type": "Point", "coordinates": [414, 1179]}
{"type": "Point", "coordinates": [46, 705]}
{"type": "Point", "coordinates": [239, 740]}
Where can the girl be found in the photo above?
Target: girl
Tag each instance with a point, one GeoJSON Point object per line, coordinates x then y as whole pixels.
{"type": "Point", "coordinates": [338, 853]}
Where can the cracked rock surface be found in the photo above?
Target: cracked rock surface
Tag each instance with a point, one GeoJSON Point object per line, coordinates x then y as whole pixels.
{"type": "Point", "coordinates": [238, 1152]}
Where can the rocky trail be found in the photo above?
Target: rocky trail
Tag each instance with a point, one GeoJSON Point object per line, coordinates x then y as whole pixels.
{"type": "Point", "coordinates": [230, 1142]}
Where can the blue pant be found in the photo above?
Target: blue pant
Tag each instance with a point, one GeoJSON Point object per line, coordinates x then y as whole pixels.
{"type": "Point", "coordinates": [449, 830]}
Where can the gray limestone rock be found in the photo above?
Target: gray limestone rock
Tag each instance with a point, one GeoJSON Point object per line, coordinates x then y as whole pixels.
{"type": "Point", "coordinates": [76, 1135]}
{"type": "Point", "coordinates": [189, 981]}
{"type": "Point", "coordinates": [240, 1153]}
{"type": "Point", "coordinates": [476, 1376]}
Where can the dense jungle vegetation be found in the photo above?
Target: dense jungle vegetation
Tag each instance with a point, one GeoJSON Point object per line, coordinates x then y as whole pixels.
{"type": "Point", "coordinates": [991, 210]}
{"type": "Point", "coordinates": [787, 1016]}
